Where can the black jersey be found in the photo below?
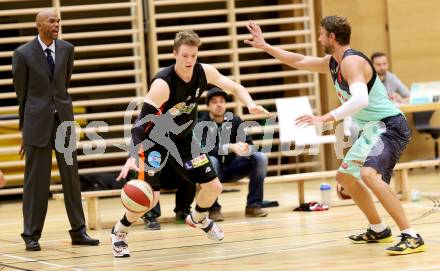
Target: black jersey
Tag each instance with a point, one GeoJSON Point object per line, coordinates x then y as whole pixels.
{"type": "Point", "coordinates": [183, 100]}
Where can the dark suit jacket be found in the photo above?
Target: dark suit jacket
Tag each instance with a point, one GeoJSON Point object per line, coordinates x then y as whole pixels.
{"type": "Point", "coordinates": [39, 93]}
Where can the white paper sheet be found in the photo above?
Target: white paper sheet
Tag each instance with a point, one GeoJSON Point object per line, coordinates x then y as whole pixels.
{"type": "Point", "coordinates": [288, 110]}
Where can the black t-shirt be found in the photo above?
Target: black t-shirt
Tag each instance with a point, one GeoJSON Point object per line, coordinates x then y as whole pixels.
{"type": "Point", "coordinates": [183, 100]}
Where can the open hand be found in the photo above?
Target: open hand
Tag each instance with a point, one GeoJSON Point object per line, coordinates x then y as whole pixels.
{"type": "Point", "coordinates": [306, 120]}
{"type": "Point", "coordinates": [257, 36]}
{"type": "Point", "coordinates": [240, 148]}
{"type": "Point", "coordinates": [129, 165]}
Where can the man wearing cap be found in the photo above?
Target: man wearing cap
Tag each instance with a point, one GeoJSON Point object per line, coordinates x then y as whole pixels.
{"type": "Point", "coordinates": [230, 158]}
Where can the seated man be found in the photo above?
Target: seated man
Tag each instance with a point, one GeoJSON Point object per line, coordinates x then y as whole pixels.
{"type": "Point", "coordinates": [185, 194]}
{"type": "Point", "coordinates": [231, 161]}
{"type": "Point", "coordinates": [397, 91]}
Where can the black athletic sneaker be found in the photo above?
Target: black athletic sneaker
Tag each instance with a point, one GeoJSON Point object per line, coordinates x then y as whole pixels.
{"type": "Point", "coordinates": [407, 245]}
{"type": "Point", "coordinates": [371, 236]}
{"type": "Point", "coordinates": [151, 222]}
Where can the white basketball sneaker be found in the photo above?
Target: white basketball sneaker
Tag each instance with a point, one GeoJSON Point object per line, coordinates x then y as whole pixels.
{"type": "Point", "coordinates": [120, 247]}
{"type": "Point", "coordinates": [209, 227]}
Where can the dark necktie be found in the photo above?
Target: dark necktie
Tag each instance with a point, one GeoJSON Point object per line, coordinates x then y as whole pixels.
{"type": "Point", "coordinates": [50, 60]}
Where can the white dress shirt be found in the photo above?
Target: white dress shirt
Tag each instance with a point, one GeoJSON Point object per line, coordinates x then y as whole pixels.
{"type": "Point", "coordinates": [51, 47]}
{"type": "Point", "coordinates": [52, 50]}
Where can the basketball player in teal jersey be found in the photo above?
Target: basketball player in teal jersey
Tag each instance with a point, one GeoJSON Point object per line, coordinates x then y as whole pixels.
{"type": "Point", "coordinates": [385, 132]}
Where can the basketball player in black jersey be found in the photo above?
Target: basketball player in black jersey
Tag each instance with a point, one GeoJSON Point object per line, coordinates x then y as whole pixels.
{"type": "Point", "coordinates": [172, 102]}
{"type": "Point", "coordinates": [371, 159]}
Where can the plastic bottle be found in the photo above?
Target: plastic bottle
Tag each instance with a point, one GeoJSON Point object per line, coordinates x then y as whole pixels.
{"type": "Point", "coordinates": [325, 194]}
{"type": "Point", "coordinates": [416, 195]}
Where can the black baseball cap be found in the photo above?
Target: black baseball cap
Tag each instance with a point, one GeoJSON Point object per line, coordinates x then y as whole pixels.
{"type": "Point", "coordinates": [215, 91]}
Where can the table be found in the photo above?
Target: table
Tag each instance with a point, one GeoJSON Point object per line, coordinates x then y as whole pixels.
{"type": "Point", "coordinates": [411, 108]}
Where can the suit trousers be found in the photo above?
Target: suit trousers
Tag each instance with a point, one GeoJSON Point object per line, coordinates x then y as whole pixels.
{"type": "Point", "coordinates": [36, 188]}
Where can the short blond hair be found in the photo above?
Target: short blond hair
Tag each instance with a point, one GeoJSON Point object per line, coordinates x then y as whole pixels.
{"type": "Point", "coordinates": [187, 37]}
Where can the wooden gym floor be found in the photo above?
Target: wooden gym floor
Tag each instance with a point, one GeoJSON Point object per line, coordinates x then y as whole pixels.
{"type": "Point", "coordinates": [284, 240]}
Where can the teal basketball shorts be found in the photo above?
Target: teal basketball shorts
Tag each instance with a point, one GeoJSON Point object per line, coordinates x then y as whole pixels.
{"type": "Point", "coordinates": [379, 146]}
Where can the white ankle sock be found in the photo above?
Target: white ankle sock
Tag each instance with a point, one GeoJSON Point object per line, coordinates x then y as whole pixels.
{"type": "Point", "coordinates": [378, 227]}
{"type": "Point", "coordinates": [410, 231]}
{"type": "Point", "coordinates": [198, 216]}
{"type": "Point", "coordinates": [119, 227]}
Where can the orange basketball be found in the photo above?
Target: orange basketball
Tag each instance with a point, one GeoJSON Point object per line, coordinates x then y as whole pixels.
{"type": "Point", "coordinates": [137, 196]}
{"type": "Point", "coordinates": [342, 193]}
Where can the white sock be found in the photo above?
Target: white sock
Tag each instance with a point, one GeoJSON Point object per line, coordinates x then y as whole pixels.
{"type": "Point", "coordinates": [119, 227]}
{"type": "Point", "coordinates": [410, 231]}
{"type": "Point", "coordinates": [378, 227]}
{"type": "Point", "coordinates": [199, 216]}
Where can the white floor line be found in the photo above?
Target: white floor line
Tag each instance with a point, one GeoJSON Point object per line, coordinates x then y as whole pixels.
{"type": "Point", "coordinates": [34, 261]}
{"type": "Point", "coordinates": [44, 242]}
{"type": "Point", "coordinates": [437, 267]}
{"type": "Point", "coordinates": [256, 221]}
{"type": "Point", "coordinates": [263, 250]}
{"type": "Point", "coordinates": [259, 221]}
{"type": "Point", "coordinates": [420, 206]}
{"type": "Point", "coordinates": [177, 229]}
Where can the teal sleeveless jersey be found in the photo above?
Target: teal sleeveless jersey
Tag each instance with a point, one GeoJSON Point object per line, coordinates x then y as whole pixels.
{"type": "Point", "coordinates": [379, 106]}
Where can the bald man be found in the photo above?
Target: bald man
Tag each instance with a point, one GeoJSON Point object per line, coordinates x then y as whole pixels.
{"type": "Point", "coordinates": [41, 74]}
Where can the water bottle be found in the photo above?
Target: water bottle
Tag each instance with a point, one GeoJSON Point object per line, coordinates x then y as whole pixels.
{"type": "Point", "coordinates": [416, 195]}
{"type": "Point", "coordinates": [325, 194]}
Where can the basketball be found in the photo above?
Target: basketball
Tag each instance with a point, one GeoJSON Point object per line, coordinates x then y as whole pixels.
{"type": "Point", "coordinates": [342, 193]}
{"type": "Point", "coordinates": [137, 196]}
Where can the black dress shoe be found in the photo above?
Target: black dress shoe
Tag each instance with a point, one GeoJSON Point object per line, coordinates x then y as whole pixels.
{"type": "Point", "coordinates": [84, 239]}
{"type": "Point", "coordinates": [269, 203]}
{"type": "Point", "coordinates": [32, 245]}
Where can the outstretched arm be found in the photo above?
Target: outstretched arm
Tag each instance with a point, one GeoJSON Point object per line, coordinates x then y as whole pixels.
{"type": "Point", "coordinates": [298, 61]}
{"type": "Point", "coordinates": [214, 77]}
{"type": "Point", "coordinates": [355, 70]}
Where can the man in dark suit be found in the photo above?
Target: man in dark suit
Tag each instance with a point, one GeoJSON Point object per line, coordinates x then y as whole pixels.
{"type": "Point", "coordinates": [41, 73]}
